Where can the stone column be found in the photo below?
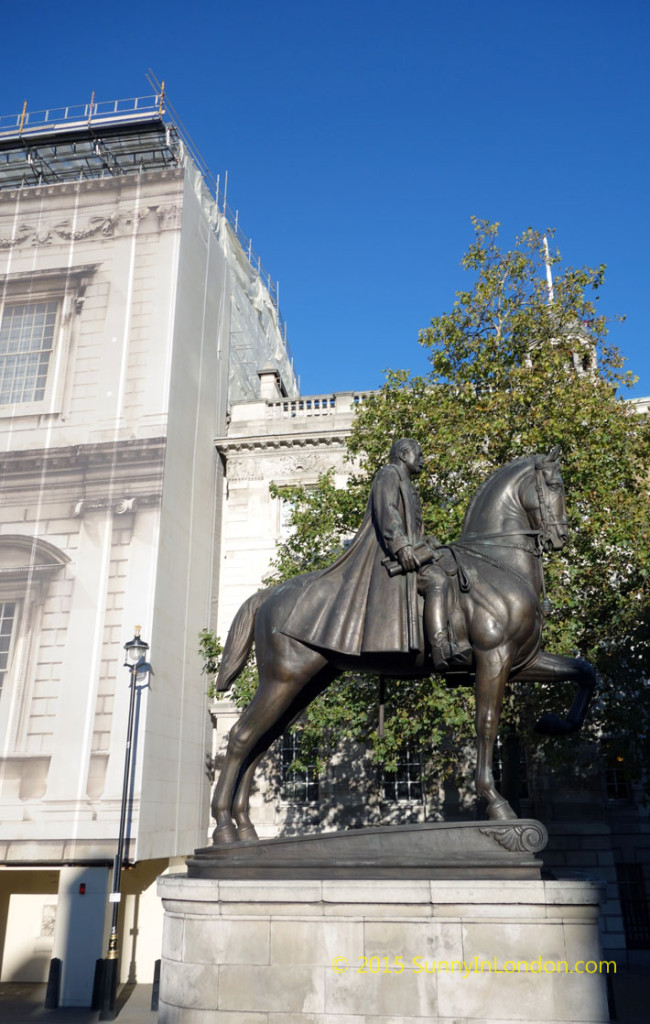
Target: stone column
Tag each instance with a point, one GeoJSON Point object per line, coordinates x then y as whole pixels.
{"type": "Point", "coordinates": [72, 739]}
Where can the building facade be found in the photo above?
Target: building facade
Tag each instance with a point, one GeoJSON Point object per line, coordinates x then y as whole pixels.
{"type": "Point", "coordinates": [130, 315]}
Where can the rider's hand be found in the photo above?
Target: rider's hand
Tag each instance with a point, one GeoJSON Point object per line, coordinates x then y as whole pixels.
{"type": "Point", "coordinates": [408, 559]}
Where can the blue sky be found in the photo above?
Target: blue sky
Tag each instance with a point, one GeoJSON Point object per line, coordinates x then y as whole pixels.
{"type": "Point", "coordinates": [360, 138]}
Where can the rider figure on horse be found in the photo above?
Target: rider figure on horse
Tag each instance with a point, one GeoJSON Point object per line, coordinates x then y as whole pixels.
{"type": "Point", "coordinates": [367, 601]}
{"type": "Point", "coordinates": [433, 564]}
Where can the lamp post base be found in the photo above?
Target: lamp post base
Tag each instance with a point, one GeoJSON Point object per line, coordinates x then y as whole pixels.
{"type": "Point", "coordinates": [108, 988]}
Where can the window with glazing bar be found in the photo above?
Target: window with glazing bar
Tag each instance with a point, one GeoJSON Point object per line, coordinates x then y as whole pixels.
{"type": "Point", "coordinates": [406, 782]}
{"type": "Point", "coordinates": [7, 618]}
{"type": "Point", "coordinates": [299, 785]}
{"type": "Point", "coordinates": [26, 340]}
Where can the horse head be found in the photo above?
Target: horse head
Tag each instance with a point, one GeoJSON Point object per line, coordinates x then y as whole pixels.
{"type": "Point", "coordinates": [543, 497]}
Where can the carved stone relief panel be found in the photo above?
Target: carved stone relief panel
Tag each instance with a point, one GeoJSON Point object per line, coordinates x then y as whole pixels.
{"type": "Point", "coordinates": [243, 467]}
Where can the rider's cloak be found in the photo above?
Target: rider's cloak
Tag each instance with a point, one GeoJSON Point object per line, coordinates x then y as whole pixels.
{"type": "Point", "coordinates": [354, 607]}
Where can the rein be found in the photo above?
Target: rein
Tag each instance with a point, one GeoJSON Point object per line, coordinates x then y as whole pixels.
{"type": "Point", "coordinates": [493, 540]}
{"type": "Point", "coordinates": [495, 561]}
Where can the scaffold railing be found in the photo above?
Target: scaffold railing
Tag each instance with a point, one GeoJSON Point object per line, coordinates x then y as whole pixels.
{"type": "Point", "coordinates": [81, 115]}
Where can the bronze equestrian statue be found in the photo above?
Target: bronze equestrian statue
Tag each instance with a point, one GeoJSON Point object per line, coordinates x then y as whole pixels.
{"type": "Point", "coordinates": [397, 603]}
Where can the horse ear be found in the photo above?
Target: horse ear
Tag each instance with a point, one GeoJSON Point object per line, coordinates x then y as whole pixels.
{"type": "Point", "coordinates": [554, 453]}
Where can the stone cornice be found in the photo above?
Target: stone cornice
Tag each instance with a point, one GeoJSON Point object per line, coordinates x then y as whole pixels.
{"type": "Point", "coordinates": [281, 442]}
{"type": "Point", "coordinates": [83, 458]}
{"type": "Point", "coordinates": [120, 183]}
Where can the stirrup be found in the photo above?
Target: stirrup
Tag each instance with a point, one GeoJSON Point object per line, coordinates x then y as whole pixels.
{"type": "Point", "coordinates": [449, 655]}
{"type": "Point", "coordinates": [441, 651]}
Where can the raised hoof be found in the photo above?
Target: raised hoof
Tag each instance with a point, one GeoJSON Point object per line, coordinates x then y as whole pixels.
{"type": "Point", "coordinates": [500, 810]}
{"type": "Point", "coordinates": [551, 724]}
{"type": "Point", "coordinates": [247, 833]}
{"type": "Point", "coordinates": [224, 835]}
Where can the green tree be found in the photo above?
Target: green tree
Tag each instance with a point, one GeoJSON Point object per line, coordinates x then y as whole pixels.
{"type": "Point", "coordinates": [515, 369]}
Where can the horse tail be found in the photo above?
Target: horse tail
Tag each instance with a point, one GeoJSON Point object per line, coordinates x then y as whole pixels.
{"type": "Point", "coordinates": [239, 641]}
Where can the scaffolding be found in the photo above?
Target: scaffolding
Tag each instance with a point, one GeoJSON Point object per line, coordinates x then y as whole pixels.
{"type": "Point", "coordinates": [109, 138]}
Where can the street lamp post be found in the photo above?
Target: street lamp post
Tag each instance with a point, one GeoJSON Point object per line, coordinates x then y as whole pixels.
{"type": "Point", "coordinates": [136, 651]}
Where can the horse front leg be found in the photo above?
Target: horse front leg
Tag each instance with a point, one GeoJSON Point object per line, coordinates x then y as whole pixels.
{"type": "Point", "coordinates": [492, 669]}
{"type": "Point", "coordinates": [553, 668]}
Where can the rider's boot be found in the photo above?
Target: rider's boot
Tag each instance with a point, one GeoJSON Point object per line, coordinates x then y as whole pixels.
{"type": "Point", "coordinates": [434, 585]}
{"type": "Point", "coordinates": [441, 650]}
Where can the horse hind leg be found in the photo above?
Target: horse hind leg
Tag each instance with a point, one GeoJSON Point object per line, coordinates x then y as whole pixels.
{"type": "Point", "coordinates": [246, 743]}
{"type": "Point", "coordinates": [553, 668]}
{"type": "Point", "coordinates": [222, 800]}
{"type": "Point", "coordinates": [240, 806]}
{"type": "Point", "coordinates": [275, 704]}
{"type": "Point", "coordinates": [250, 737]}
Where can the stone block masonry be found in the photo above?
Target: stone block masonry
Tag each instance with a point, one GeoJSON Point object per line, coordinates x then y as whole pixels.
{"type": "Point", "coordinates": [380, 951]}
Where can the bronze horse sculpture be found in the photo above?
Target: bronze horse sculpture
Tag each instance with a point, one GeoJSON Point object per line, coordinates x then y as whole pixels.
{"type": "Point", "coordinates": [515, 515]}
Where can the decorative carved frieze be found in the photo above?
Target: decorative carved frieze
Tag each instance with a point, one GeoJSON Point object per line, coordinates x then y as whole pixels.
{"type": "Point", "coordinates": [95, 226]}
{"type": "Point", "coordinates": [168, 214]}
{"type": "Point", "coordinates": [301, 463]}
{"type": "Point", "coordinates": [271, 466]}
{"type": "Point", "coordinates": [20, 235]}
{"type": "Point", "coordinates": [244, 469]}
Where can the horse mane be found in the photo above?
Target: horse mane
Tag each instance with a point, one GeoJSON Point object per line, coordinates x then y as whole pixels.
{"type": "Point", "coordinates": [489, 481]}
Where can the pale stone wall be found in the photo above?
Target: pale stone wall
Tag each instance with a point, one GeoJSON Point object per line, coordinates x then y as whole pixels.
{"type": "Point", "coordinates": [105, 250]}
{"type": "Point", "coordinates": [63, 710]}
{"type": "Point", "coordinates": [115, 475]}
{"type": "Point", "coordinates": [264, 951]}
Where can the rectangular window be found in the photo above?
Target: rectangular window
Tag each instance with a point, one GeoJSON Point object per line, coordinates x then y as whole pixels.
{"type": "Point", "coordinates": [286, 511]}
{"type": "Point", "coordinates": [406, 782]}
{"type": "Point", "coordinates": [7, 618]}
{"type": "Point", "coordinates": [616, 781]}
{"type": "Point", "coordinates": [299, 785]}
{"type": "Point", "coordinates": [26, 342]}
{"type": "Point", "coordinates": [635, 905]}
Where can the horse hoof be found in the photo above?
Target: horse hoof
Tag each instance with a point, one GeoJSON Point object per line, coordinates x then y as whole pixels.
{"type": "Point", "coordinates": [552, 725]}
{"type": "Point", "coordinates": [500, 810]}
{"type": "Point", "coordinates": [247, 833]}
{"type": "Point", "coordinates": [224, 835]}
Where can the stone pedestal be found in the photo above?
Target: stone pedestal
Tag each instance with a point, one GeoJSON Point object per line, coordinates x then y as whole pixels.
{"type": "Point", "coordinates": [382, 951]}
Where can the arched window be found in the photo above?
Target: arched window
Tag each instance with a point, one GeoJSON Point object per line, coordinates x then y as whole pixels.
{"type": "Point", "coordinates": [27, 566]}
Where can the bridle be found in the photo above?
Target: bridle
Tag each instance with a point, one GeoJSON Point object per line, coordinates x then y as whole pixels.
{"type": "Point", "coordinates": [545, 519]}
{"type": "Point", "coordinates": [541, 535]}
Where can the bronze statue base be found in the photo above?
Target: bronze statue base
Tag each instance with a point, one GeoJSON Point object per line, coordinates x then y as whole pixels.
{"type": "Point", "coordinates": [433, 850]}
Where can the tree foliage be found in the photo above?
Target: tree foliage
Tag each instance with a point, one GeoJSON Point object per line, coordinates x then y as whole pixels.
{"type": "Point", "coordinates": [514, 370]}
